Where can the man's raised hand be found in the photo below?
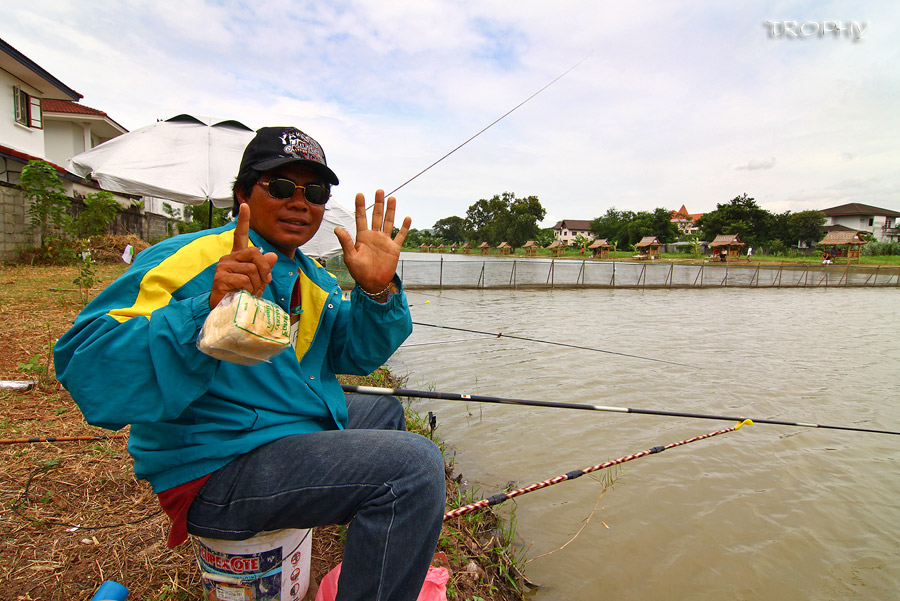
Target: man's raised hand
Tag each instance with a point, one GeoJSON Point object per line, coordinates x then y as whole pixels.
{"type": "Point", "coordinates": [245, 268]}
{"type": "Point", "coordinates": [372, 259]}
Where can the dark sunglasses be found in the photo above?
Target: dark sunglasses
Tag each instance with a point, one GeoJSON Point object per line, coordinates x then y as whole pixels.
{"type": "Point", "coordinates": [283, 189]}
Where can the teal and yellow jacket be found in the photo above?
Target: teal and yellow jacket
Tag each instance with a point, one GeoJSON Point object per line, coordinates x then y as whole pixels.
{"type": "Point", "coordinates": [131, 358]}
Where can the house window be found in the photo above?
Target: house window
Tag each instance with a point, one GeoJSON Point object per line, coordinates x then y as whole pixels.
{"type": "Point", "coordinates": [28, 108]}
{"type": "Point", "coordinates": [871, 221]}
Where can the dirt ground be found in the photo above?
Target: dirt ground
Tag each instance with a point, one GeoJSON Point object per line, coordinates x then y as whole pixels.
{"type": "Point", "coordinates": [72, 514]}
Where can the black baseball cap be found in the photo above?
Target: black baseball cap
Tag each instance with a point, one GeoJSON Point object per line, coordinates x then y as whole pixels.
{"type": "Point", "coordinates": [276, 146]}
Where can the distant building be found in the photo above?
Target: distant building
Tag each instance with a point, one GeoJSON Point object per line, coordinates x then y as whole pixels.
{"type": "Point", "coordinates": [568, 229]}
{"type": "Point", "coordinates": [881, 223]}
{"type": "Point", "coordinates": [686, 222]}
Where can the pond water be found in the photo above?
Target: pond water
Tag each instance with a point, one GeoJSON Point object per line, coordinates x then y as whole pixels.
{"type": "Point", "coordinates": [764, 513]}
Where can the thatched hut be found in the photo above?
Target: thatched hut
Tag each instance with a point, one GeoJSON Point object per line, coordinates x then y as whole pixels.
{"type": "Point", "coordinates": [600, 248]}
{"type": "Point", "coordinates": [485, 248]}
{"type": "Point", "coordinates": [530, 248]}
{"type": "Point", "coordinates": [726, 247]}
{"type": "Point", "coordinates": [845, 244]}
{"type": "Point", "coordinates": [424, 247]}
{"type": "Point", "coordinates": [557, 248]}
{"type": "Point", "coordinates": [648, 248]}
{"type": "Point", "coordinates": [505, 248]}
{"type": "Point", "coordinates": [466, 248]}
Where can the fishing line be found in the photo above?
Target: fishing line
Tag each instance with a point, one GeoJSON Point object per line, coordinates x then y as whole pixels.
{"type": "Point", "coordinates": [505, 496]}
{"type": "Point", "coordinates": [451, 396]}
{"type": "Point", "coordinates": [441, 342]}
{"type": "Point", "coordinates": [566, 72]}
{"type": "Point", "coordinates": [575, 346]}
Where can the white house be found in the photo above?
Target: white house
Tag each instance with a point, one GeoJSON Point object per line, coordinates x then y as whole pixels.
{"type": "Point", "coordinates": [41, 118]}
{"type": "Point", "coordinates": [568, 229]}
{"type": "Point", "coordinates": [884, 224]}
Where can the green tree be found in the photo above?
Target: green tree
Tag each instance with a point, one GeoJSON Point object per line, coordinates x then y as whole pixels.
{"type": "Point", "coordinates": [805, 226]}
{"type": "Point", "coordinates": [741, 216]}
{"type": "Point", "coordinates": [626, 228]}
{"type": "Point", "coordinates": [524, 216]}
{"type": "Point", "coordinates": [545, 236]}
{"type": "Point", "coordinates": [451, 229]}
{"type": "Point", "coordinates": [47, 198]}
{"type": "Point", "coordinates": [505, 218]}
{"type": "Point", "coordinates": [199, 218]}
{"type": "Point", "coordinates": [100, 208]}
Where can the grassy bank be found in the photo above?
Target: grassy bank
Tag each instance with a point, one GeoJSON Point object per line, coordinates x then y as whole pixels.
{"type": "Point", "coordinates": [74, 515]}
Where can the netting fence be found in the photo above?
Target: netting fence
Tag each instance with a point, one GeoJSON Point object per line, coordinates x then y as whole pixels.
{"type": "Point", "coordinates": [475, 272]}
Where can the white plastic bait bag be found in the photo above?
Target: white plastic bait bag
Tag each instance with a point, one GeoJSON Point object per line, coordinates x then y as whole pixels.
{"type": "Point", "coordinates": [245, 329]}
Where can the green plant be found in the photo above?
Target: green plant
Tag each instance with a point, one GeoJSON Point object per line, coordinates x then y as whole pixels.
{"type": "Point", "coordinates": [33, 367]}
{"type": "Point", "coordinates": [39, 365]}
{"type": "Point", "coordinates": [87, 275]}
{"type": "Point", "coordinates": [47, 199]}
{"type": "Point", "coordinates": [100, 208]}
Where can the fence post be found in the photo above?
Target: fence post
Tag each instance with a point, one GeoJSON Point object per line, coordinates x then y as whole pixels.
{"type": "Point", "coordinates": [441, 276]}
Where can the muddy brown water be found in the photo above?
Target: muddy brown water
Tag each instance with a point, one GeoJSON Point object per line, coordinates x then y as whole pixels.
{"type": "Point", "coordinates": [766, 513]}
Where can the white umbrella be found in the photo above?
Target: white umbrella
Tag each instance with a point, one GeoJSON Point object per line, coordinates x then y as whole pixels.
{"type": "Point", "coordinates": [190, 160]}
{"type": "Point", "coordinates": [185, 159]}
{"type": "Point", "coordinates": [325, 244]}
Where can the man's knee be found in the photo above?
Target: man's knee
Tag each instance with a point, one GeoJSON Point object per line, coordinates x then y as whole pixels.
{"type": "Point", "coordinates": [427, 462]}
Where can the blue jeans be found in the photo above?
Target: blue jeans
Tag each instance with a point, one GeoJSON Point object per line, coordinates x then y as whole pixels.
{"type": "Point", "coordinates": [386, 483]}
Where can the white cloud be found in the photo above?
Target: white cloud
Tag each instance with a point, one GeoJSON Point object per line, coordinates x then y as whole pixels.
{"type": "Point", "coordinates": [676, 105]}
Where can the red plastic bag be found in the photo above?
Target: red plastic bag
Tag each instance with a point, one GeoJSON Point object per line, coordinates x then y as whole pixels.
{"type": "Point", "coordinates": [433, 589]}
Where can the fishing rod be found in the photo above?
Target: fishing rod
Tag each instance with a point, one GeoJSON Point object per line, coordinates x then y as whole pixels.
{"type": "Point", "coordinates": [450, 396]}
{"type": "Point", "coordinates": [61, 438]}
{"type": "Point", "coordinates": [505, 496]}
{"type": "Point", "coordinates": [566, 72]}
{"type": "Point", "coordinates": [575, 346]}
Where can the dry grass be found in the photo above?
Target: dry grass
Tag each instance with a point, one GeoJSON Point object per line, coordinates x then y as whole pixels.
{"type": "Point", "coordinates": [72, 514]}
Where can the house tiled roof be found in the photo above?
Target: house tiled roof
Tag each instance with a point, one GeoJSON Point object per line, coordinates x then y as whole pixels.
{"type": "Point", "coordinates": [682, 213]}
{"type": "Point", "coordinates": [856, 208]}
{"type": "Point", "coordinates": [573, 224]}
{"type": "Point", "coordinates": [52, 105]}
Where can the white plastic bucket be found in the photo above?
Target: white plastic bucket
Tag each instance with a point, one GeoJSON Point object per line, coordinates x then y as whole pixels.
{"type": "Point", "coordinates": [270, 566]}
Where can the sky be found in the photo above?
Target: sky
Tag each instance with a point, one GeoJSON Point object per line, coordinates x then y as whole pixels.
{"type": "Point", "coordinates": [671, 103]}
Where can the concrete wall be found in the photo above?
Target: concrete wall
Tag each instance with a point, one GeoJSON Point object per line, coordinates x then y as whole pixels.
{"type": "Point", "coordinates": [14, 222]}
{"type": "Point", "coordinates": [13, 235]}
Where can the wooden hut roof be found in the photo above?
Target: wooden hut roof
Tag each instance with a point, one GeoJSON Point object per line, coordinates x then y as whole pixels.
{"type": "Point", "coordinates": [484, 245]}
{"type": "Point", "coordinates": [839, 238]}
{"type": "Point", "coordinates": [648, 241]}
{"type": "Point", "coordinates": [726, 240]}
{"type": "Point", "coordinates": [530, 244]}
{"type": "Point", "coordinates": [600, 243]}
{"type": "Point", "coordinates": [556, 244]}
{"type": "Point", "coordinates": [423, 245]}
{"type": "Point", "coordinates": [503, 245]}
{"type": "Point", "coordinates": [466, 245]}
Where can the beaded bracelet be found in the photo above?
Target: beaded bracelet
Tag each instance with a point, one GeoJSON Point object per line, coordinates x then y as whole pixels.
{"type": "Point", "coordinates": [384, 295]}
